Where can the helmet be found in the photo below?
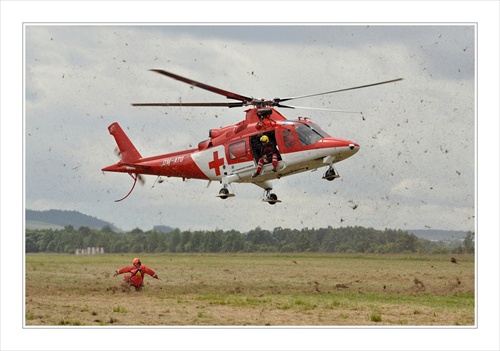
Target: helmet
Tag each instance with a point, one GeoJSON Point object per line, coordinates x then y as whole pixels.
{"type": "Point", "coordinates": [264, 139]}
{"type": "Point", "coordinates": [136, 261]}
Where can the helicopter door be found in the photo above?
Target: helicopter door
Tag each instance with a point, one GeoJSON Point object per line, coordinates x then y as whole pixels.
{"type": "Point", "coordinates": [290, 141]}
{"type": "Point", "coordinates": [256, 145]}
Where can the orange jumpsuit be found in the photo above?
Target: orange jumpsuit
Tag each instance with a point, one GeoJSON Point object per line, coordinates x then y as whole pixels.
{"type": "Point", "coordinates": [269, 154]}
{"type": "Point", "coordinates": [136, 276]}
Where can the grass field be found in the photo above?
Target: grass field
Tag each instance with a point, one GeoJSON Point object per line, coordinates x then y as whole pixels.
{"type": "Point", "coordinates": [252, 290]}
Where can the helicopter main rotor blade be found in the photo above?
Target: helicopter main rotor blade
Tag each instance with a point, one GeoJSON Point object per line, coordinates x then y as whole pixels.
{"type": "Point", "coordinates": [317, 109]}
{"type": "Point", "coordinates": [278, 100]}
{"type": "Point", "coordinates": [194, 83]}
{"type": "Point", "coordinates": [191, 104]}
{"type": "Point", "coordinates": [244, 100]}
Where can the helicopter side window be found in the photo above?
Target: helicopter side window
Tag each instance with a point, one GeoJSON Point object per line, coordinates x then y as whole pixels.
{"type": "Point", "coordinates": [307, 135]}
{"type": "Point", "coordinates": [238, 149]}
{"type": "Point", "coordinates": [288, 138]}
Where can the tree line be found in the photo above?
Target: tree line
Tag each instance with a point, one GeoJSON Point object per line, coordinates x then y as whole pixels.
{"type": "Point", "coordinates": [339, 240]}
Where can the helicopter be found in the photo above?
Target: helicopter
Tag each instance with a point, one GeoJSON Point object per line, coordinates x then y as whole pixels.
{"type": "Point", "coordinates": [232, 154]}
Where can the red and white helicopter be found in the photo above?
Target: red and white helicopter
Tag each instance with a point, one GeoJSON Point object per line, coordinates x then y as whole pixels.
{"type": "Point", "coordinates": [231, 154]}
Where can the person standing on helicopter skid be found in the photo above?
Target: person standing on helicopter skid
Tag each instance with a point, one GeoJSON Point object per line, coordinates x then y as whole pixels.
{"type": "Point", "coordinates": [268, 153]}
{"type": "Point", "coordinates": [136, 276]}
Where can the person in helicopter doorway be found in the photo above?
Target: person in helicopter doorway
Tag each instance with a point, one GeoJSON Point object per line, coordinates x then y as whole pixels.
{"type": "Point", "coordinates": [136, 276]}
{"type": "Point", "coordinates": [268, 153]}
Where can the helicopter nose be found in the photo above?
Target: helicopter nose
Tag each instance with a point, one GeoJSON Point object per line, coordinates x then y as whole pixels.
{"type": "Point", "coordinates": [353, 146]}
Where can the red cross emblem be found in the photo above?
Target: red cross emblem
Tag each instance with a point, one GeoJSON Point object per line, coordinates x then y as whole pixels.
{"type": "Point", "coordinates": [216, 163]}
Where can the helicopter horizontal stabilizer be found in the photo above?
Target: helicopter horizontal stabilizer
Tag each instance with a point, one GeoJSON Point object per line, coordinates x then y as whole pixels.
{"type": "Point", "coordinates": [127, 167]}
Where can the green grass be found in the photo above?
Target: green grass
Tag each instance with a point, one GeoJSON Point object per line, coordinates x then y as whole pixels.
{"type": "Point", "coordinates": [252, 289]}
{"type": "Point", "coordinates": [376, 317]}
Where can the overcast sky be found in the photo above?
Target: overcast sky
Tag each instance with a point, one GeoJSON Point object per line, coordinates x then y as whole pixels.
{"type": "Point", "coordinates": [415, 168]}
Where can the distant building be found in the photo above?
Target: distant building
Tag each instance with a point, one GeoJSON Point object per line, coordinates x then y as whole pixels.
{"type": "Point", "coordinates": [90, 251]}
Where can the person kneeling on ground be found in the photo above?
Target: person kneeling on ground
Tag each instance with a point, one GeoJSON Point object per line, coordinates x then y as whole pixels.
{"type": "Point", "coordinates": [136, 276]}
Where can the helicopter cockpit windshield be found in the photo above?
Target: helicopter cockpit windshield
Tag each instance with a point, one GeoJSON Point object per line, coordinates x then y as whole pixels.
{"type": "Point", "coordinates": [309, 133]}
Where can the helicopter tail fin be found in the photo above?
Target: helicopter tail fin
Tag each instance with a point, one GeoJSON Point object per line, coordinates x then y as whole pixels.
{"type": "Point", "coordinates": [128, 152]}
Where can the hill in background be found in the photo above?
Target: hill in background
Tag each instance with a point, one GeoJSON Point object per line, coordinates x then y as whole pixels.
{"type": "Point", "coordinates": [58, 219]}
{"type": "Point", "coordinates": [439, 235]}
